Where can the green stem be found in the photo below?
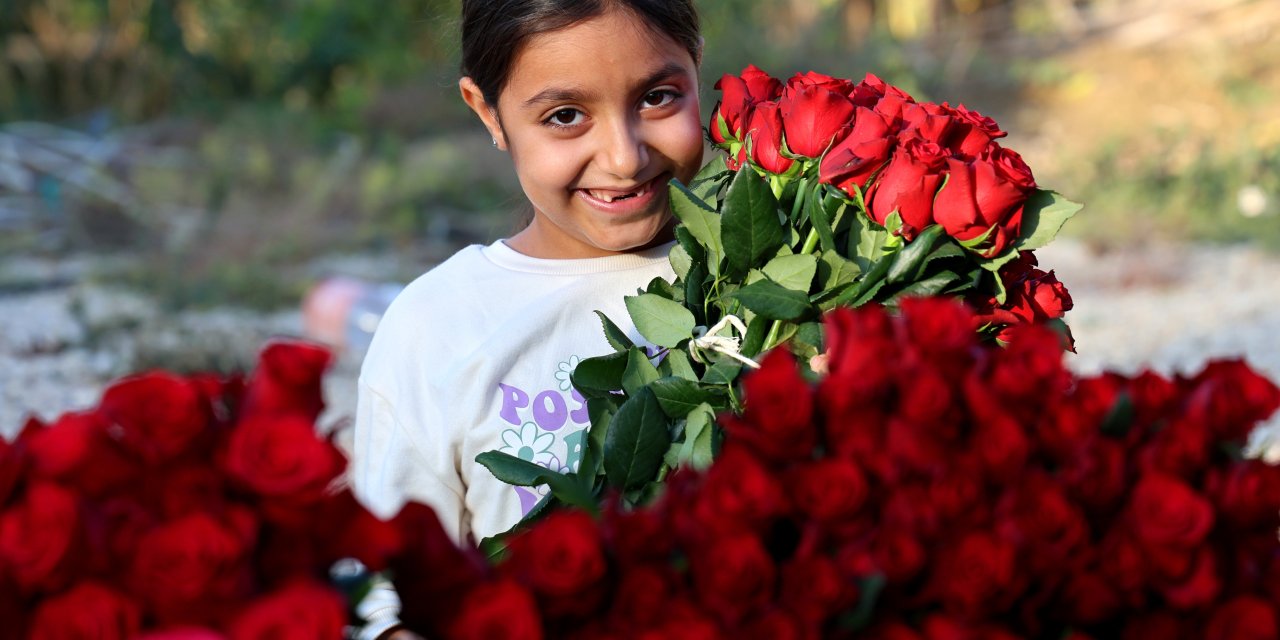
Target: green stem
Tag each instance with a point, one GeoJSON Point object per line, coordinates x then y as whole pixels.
{"type": "Point", "coordinates": [801, 191]}
{"type": "Point", "coordinates": [772, 337]}
{"type": "Point", "coordinates": [810, 241]}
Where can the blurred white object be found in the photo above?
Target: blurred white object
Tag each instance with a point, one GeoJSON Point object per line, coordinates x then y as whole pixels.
{"type": "Point", "coordinates": [344, 312]}
{"type": "Point", "coordinates": [1252, 201]}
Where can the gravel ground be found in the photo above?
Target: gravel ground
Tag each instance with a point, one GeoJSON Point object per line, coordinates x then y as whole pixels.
{"type": "Point", "coordinates": [1170, 308]}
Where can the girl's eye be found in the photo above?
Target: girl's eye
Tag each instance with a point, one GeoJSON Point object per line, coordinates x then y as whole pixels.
{"type": "Point", "coordinates": [660, 98]}
{"type": "Point", "coordinates": [565, 118]}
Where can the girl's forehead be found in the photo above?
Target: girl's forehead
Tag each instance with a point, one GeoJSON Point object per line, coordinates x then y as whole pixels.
{"type": "Point", "coordinates": [611, 51]}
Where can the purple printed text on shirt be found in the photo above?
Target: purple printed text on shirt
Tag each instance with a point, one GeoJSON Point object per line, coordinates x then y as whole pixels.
{"type": "Point", "coordinates": [550, 408]}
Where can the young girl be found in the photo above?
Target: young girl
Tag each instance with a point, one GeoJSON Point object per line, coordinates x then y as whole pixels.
{"type": "Point", "coordinates": [596, 102]}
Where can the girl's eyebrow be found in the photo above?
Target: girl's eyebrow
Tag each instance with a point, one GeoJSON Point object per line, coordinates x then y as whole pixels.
{"type": "Point", "coordinates": [556, 94]}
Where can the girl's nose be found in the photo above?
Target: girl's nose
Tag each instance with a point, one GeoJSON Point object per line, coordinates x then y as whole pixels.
{"type": "Point", "coordinates": [624, 153]}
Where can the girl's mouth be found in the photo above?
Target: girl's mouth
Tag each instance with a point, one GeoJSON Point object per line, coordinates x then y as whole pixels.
{"type": "Point", "coordinates": [620, 202]}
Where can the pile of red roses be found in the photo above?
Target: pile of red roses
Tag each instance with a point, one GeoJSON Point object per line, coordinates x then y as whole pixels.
{"type": "Point", "coordinates": [930, 163]}
{"type": "Point", "coordinates": [183, 507]}
{"type": "Point", "coordinates": [928, 487]}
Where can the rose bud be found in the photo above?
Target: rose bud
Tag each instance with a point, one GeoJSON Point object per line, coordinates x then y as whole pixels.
{"type": "Point", "coordinates": [982, 130]}
{"type": "Point", "coordinates": [1244, 617]}
{"type": "Point", "coordinates": [872, 90]}
{"type": "Point", "coordinates": [821, 80]}
{"type": "Point", "coordinates": [979, 201]}
{"type": "Point", "coordinates": [765, 133]}
{"type": "Point", "coordinates": [860, 154]}
{"type": "Point", "coordinates": [156, 415]}
{"type": "Point", "coordinates": [907, 185]}
{"type": "Point", "coordinates": [813, 117]}
{"type": "Point", "coordinates": [299, 610]}
{"type": "Point", "coordinates": [741, 93]}
{"type": "Point", "coordinates": [500, 609]}
{"type": "Point", "coordinates": [87, 610]}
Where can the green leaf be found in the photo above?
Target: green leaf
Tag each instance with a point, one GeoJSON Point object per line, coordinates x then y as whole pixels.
{"type": "Point", "coordinates": [867, 241]}
{"type": "Point", "coordinates": [617, 337]}
{"type": "Point", "coordinates": [515, 471]}
{"type": "Point", "coordinates": [681, 261]}
{"type": "Point", "coordinates": [930, 286]}
{"type": "Point", "coordinates": [600, 411]}
{"type": "Point", "coordinates": [637, 438]}
{"type": "Point", "coordinates": [661, 287]}
{"type": "Point", "coordinates": [773, 301]}
{"type": "Point", "coordinates": [677, 364]}
{"type": "Point", "coordinates": [710, 177]}
{"type": "Point", "coordinates": [600, 374]}
{"type": "Point", "coordinates": [661, 321]}
{"type": "Point", "coordinates": [678, 396]}
{"type": "Point", "coordinates": [1042, 217]}
{"type": "Point", "coordinates": [793, 272]}
{"type": "Point", "coordinates": [810, 333]}
{"type": "Point", "coordinates": [822, 211]}
{"type": "Point", "coordinates": [749, 223]}
{"type": "Point", "coordinates": [834, 270]}
{"type": "Point", "coordinates": [698, 218]}
{"type": "Point", "coordinates": [697, 253]}
{"type": "Point", "coordinates": [753, 342]}
{"type": "Point", "coordinates": [908, 261]}
{"type": "Point", "coordinates": [697, 449]}
{"type": "Point", "coordinates": [695, 291]}
{"type": "Point", "coordinates": [868, 286]}
{"type": "Point", "coordinates": [722, 373]}
{"type": "Point", "coordinates": [639, 372]}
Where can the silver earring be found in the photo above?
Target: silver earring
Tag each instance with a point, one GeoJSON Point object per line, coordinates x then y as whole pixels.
{"type": "Point", "coordinates": [495, 142]}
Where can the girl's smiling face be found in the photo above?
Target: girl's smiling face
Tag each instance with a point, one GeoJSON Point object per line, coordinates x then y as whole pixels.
{"type": "Point", "coordinates": [598, 116]}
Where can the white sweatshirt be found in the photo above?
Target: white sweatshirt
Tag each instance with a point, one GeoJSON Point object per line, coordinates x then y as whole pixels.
{"type": "Point", "coordinates": [475, 356]}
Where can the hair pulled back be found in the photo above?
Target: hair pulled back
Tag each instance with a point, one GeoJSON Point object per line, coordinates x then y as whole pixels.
{"type": "Point", "coordinates": [494, 30]}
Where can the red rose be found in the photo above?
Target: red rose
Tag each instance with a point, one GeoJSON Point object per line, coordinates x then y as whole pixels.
{"type": "Point", "coordinates": [813, 588]}
{"type": "Point", "coordinates": [734, 575]}
{"type": "Point", "coordinates": [1036, 514]}
{"type": "Point", "coordinates": [561, 559]}
{"type": "Point", "coordinates": [183, 633]}
{"type": "Point", "coordinates": [977, 575]}
{"type": "Point", "coordinates": [157, 415]}
{"type": "Point", "coordinates": [185, 566]}
{"type": "Point", "coordinates": [841, 86]}
{"type": "Point", "coordinates": [1243, 618]}
{"type": "Point", "coordinates": [869, 92]}
{"type": "Point", "coordinates": [1200, 587]}
{"type": "Point", "coordinates": [941, 627]}
{"type": "Point", "coordinates": [978, 200]}
{"type": "Point", "coordinates": [1095, 477]}
{"type": "Point", "coordinates": [857, 340]}
{"type": "Point", "coordinates": [741, 94]}
{"type": "Point", "coordinates": [1010, 166]}
{"type": "Point", "coordinates": [813, 117]}
{"type": "Point", "coordinates": [499, 610]}
{"type": "Point", "coordinates": [1250, 495]}
{"type": "Point", "coordinates": [979, 134]}
{"type": "Point", "coordinates": [940, 328]}
{"type": "Point", "coordinates": [907, 186]}
{"type": "Point", "coordinates": [87, 610]}
{"type": "Point", "coordinates": [828, 490]}
{"type": "Point", "coordinates": [363, 536]}
{"type": "Point", "coordinates": [913, 447]}
{"type": "Point", "coordinates": [1003, 447]}
{"type": "Point", "coordinates": [1153, 397]}
{"type": "Point", "coordinates": [777, 421]}
{"type": "Point", "coordinates": [898, 555]}
{"type": "Point", "coordinates": [856, 158]}
{"type": "Point", "coordinates": [41, 537]}
{"type": "Point", "coordinates": [637, 536]}
{"type": "Point", "coordinates": [1182, 448]}
{"type": "Point", "coordinates": [738, 494]}
{"type": "Point", "coordinates": [1159, 624]}
{"type": "Point", "coordinates": [1165, 511]}
{"type": "Point", "coordinates": [641, 591]}
{"type": "Point", "coordinates": [1232, 398]}
{"type": "Point", "coordinates": [765, 132]}
{"type": "Point", "coordinates": [774, 624]}
{"type": "Point", "coordinates": [282, 459]}
{"type": "Point", "coordinates": [77, 451]}
{"type": "Point", "coordinates": [288, 380]}
{"type": "Point", "coordinates": [892, 631]}
{"type": "Point", "coordinates": [1088, 598]}
{"type": "Point", "coordinates": [302, 610]}
{"type": "Point", "coordinates": [431, 574]}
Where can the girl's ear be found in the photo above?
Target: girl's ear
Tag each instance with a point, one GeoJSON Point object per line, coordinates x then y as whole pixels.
{"type": "Point", "coordinates": [474, 97]}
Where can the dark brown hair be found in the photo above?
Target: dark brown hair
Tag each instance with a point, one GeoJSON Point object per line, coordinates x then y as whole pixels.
{"type": "Point", "coordinates": [494, 30]}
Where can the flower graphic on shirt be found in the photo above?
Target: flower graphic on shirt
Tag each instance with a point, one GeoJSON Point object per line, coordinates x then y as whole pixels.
{"type": "Point", "coordinates": [553, 464]}
{"type": "Point", "coordinates": [566, 370]}
{"type": "Point", "coordinates": [529, 443]}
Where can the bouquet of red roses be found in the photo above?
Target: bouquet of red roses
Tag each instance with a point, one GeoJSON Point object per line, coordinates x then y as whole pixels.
{"type": "Point", "coordinates": [928, 487]}
{"type": "Point", "coordinates": [192, 507]}
{"type": "Point", "coordinates": [830, 193]}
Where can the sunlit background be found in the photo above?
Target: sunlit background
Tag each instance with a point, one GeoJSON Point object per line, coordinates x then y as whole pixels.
{"type": "Point", "coordinates": [175, 175]}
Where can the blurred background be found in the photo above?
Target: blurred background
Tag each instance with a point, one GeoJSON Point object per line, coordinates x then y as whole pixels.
{"type": "Point", "coordinates": [176, 175]}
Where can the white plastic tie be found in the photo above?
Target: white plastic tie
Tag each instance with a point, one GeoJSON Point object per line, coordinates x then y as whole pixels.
{"type": "Point", "coordinates": [711, 340]}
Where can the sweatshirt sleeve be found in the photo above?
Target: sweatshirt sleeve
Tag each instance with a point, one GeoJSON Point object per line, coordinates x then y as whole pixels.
{"type": "Point", "coordinates": [390, 467]}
